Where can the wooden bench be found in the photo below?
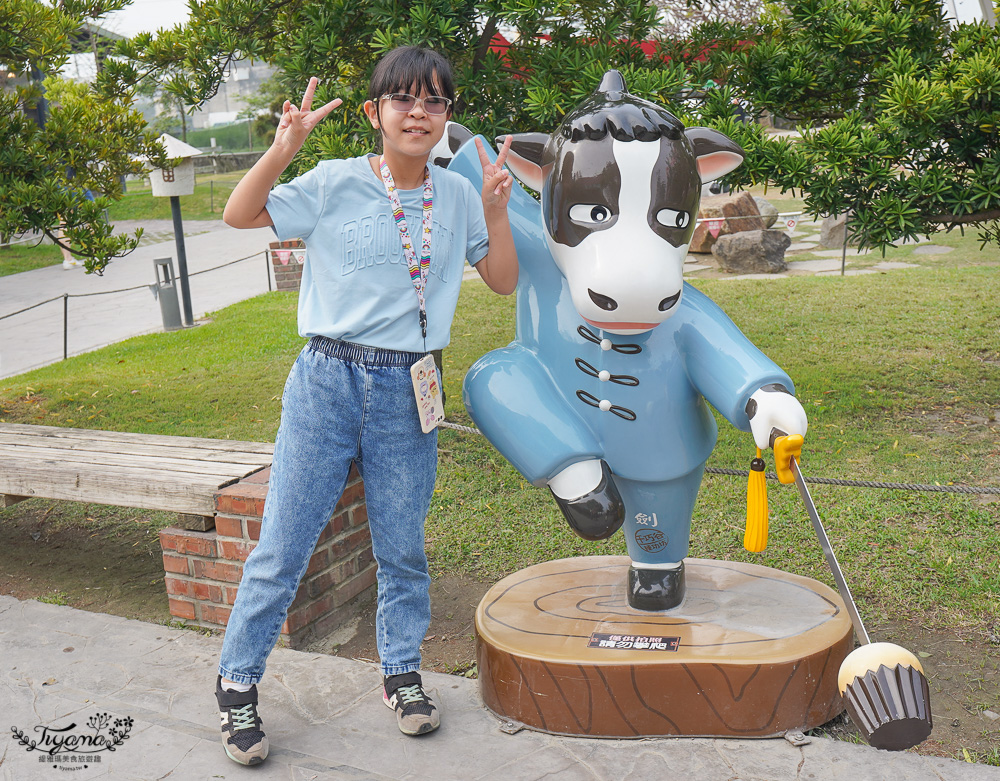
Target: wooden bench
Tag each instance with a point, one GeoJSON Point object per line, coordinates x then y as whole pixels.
{"type": "Point", "coordinates": [175, 474]}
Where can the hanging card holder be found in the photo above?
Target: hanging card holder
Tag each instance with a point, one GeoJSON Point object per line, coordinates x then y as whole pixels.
{"type": "Point", "coordinates": [427, 389]}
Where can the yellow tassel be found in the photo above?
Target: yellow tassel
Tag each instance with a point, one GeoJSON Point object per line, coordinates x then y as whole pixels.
{"type": "Point", "coordinates": [755, 538]}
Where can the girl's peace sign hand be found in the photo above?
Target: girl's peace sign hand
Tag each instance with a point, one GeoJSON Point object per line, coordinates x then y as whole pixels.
{"type": "Point", "coordinates": [496, 181]}
{"type": "Point", "coordinates": [296, 123]}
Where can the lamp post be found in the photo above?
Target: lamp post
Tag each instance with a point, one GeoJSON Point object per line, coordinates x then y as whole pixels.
{"type": "Point", "coordinates": [173, 183]}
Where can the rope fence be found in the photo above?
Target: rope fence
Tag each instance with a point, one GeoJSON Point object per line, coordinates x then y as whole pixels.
{"type": "Point", "coordinates": [37, 239]}
{"type": "Point", "coordinates": [790, 219]}
{"type": "Point", "coordinates": [948, 489]}
{"type": "Point", "coordinates": [65, 297]}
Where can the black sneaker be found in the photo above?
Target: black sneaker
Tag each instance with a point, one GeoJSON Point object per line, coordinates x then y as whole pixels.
{"type": "Point", "coordinates": [242, 736]}
{"type": "Point", "coordinates": [415, 711]}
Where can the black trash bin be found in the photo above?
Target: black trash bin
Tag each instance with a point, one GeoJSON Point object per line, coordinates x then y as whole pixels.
{"type": "Point", "coordinates": [166, 292]}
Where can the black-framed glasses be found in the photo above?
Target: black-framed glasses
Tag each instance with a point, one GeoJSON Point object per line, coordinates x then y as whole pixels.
{"type": "Point", "coordinates": [433, 104]}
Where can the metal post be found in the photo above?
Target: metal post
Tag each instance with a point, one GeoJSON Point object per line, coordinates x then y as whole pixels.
{"type": "Point", "coordinates": [65, 326]}
{"type": "Point", "coordinates": [843, 254]}
{"type": "Point", "coordinates": [267, 260]}
{"type": "Point", "coordinates": [182, 269]}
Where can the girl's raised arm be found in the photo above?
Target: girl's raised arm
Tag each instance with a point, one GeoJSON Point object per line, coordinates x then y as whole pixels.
{"type": "Point", "coordinates": [499, 268]}
{"type": "Point", "coordinates": [246, 207]}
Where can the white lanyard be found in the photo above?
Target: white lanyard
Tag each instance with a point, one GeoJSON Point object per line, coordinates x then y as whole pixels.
{"type": "Point", "coordinates": [418, 269]}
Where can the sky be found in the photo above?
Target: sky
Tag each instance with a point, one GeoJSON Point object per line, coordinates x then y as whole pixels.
{"type": "Point", "coordinates": [140, 17]}
{"type": "Point", "coordinates": [150, 15]}
{"type": "Point", "coordinates": [146, 16]}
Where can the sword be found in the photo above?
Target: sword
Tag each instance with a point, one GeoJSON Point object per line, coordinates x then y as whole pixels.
{"type": "Point", "coordinates": [831, 559]}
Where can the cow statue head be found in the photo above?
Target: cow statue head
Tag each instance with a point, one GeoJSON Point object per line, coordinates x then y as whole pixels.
{"type": "Point", "coordinates": [620, 182]}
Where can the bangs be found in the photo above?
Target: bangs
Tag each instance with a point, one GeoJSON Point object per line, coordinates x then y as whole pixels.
{"type": "Point", "coordinates": [414, 70]}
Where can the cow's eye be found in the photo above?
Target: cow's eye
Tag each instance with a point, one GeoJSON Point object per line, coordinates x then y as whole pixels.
{"type": "Point", "coordinates": [589, 212]}
{"type": "Point", "coordinates": [671, 218]}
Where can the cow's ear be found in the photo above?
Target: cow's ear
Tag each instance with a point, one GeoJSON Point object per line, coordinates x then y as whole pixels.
{"type": "Point", "coordinates": [525, 157]}
{"type": "Point", "coordinates": [716, 154]}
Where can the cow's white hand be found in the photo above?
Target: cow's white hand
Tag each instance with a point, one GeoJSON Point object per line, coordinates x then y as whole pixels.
{"type": "Point", "coordinates": [773, 407]}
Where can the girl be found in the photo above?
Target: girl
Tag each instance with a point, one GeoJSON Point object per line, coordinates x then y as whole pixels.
{"type": "Point", "coordinates": [387, 239]}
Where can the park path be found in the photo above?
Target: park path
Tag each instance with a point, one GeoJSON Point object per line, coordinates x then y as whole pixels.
{"type": "Point", "coordinates": [97, 315]}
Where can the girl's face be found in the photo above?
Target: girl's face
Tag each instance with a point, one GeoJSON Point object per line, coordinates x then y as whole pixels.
{"type": "Point", "coordinates": [410, 134]}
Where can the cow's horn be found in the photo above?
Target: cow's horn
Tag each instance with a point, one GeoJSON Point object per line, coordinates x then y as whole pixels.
{"type": "Point", "coordinates": [612, 83]}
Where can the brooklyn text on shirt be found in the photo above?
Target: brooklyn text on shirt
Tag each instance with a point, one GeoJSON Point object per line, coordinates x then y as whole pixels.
{"type": "Point", "coordinates": [373, 240]}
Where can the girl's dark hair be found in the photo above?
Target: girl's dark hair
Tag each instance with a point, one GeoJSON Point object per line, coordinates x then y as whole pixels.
{"type": "Point", "coordinates": [412, 68]}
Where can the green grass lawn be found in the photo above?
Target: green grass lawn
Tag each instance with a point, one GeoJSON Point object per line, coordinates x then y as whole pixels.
{"type": "Point", "coordinates": [24, 257]}
{"type": "Point", "coordinates": [209, 199]}
{"type": "Point", "coordinates": [899, 372]}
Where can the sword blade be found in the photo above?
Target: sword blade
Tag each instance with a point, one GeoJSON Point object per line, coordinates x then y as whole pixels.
{"type": "Point", "coordinates": [831, 559]}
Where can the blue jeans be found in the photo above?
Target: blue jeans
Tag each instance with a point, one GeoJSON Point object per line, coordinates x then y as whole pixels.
{"type": "Point", "coordinates": [342, 402]}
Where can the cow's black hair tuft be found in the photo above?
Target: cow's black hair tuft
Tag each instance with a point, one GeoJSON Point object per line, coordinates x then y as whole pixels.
{"type": "Point", "coordinates": [611, 109]}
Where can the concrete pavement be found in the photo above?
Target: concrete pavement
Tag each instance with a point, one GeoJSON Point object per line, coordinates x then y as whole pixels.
{"type": "Point", "coordinates": [70, 675]}
{"type": "Point", "coordinates": [35, 338]}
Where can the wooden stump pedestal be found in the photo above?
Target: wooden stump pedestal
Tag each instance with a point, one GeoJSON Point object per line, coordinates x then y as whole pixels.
{"type": "Point", "coordinates": [751, 652]}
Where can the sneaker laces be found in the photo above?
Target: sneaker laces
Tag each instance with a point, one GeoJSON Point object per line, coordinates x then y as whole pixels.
{"type": "Point", "coordinates": [243, 717]}
{"type": "Point", "coordinates": [411, 694]}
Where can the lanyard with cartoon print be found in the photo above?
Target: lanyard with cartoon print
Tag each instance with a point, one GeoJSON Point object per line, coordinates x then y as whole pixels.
{"type": "Point", "coordinates": [418, 269]}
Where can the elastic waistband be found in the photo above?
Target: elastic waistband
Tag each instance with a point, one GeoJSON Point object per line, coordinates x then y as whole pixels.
{"type": "Point", "coordinates": [360, 353]}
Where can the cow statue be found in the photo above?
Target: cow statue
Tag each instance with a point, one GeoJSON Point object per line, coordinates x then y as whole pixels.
{"type": "Point", "coordinates": [601, 396]}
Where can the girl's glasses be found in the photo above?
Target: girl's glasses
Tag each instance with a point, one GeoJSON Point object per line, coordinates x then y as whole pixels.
{"type": "Point", "coordinates": [433, 104]}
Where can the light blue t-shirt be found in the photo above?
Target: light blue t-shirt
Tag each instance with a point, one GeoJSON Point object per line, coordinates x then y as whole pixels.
{"type": "Point", "coordinates": [355, 282]}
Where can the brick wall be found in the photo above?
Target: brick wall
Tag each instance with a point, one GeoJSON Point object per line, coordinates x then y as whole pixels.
{"type": "Point", "coordinates": [203, 569]}
{"type": "Point", "coordinates": [288, 274]}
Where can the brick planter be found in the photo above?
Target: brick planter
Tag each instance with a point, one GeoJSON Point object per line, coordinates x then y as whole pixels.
{"type": "Point", "coordinates": [203, 569]}
{"type": "Point", "coordinates": [287, 274]}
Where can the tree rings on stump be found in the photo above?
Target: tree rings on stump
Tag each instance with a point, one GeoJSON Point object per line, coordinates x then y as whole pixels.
{"type": "Point", "coordinates": [750, 652]}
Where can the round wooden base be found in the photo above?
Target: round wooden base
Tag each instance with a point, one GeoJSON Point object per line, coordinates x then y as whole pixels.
{"type": "Point", "coordinates": [751, 652]}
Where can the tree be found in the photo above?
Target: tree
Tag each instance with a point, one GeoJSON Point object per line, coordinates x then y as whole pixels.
{"type": "Point", "coordinates": [264, 109]}
{"type": "Point", "coordinates": [678, 20]}
{"type": "Point", "coordinates": [78, 140]}
{"type": "Point", "coordinates": [900, 112]}
{"type": "Point", "coordinates": [558, 57]}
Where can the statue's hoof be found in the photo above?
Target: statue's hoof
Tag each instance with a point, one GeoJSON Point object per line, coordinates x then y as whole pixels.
{"type": "Point", "coordinates": [655, 589]}
{"type": "Point", "coordinates": [598, 514]}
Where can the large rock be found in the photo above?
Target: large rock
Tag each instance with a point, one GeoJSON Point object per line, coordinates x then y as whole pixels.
{"type": "Point", "coordinates": [768, 211]}
{"type": "Point", "coordinates": [738, 213]}
{"type": "Point", "coordinates": [752, 252]}
{"type": "Point", "coordinates": [831, 232]}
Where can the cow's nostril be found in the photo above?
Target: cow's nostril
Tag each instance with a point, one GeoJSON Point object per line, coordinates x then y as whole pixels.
{"type": "Point", "coordinates": [669, 301]}
{"type": "Point", "coordinates": [605, 303]}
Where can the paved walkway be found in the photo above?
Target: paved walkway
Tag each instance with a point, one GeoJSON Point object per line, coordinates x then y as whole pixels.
{"type": "Point", "coordinates": [326, 722]}
{"type": "Point", "coordinates": [35, 338]}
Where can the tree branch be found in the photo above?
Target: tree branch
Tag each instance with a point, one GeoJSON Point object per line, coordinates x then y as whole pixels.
{"type": "Point", "coordinates": [492, 25]}
{"type": "Point", "coordinates": [965, 219]}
